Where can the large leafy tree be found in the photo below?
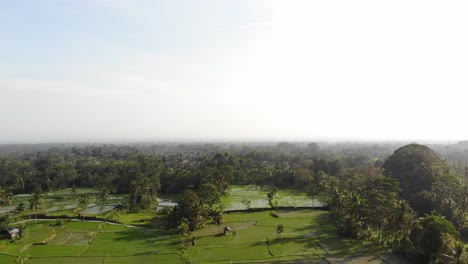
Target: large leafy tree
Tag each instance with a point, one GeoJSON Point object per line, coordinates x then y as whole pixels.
{"type": "Point", "coordinates": [4, 222]}
{"type": "Point", "coordinates": [190, 208]}
{"type": "Point", "coordinates": [435, 239]}
{"type": "Point", "coordinates": [380, 205]}
{"type": "Point", "coordinates": [426, 182]}
{"type": "Point", "coordinates": [416, 167]}
{"type": "Point", "coordinates": [6, 198]}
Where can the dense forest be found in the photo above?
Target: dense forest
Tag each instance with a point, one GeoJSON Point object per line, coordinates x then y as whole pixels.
{"type": "Point", "coordinates": [411, 198]}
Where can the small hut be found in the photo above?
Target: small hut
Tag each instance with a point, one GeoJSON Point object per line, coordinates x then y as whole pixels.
{"type": "Point", "coordinates": [13, 232]}
{"type": "Point", "coordinates": [227, 229]}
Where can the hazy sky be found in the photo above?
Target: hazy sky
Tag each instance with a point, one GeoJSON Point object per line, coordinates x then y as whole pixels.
{"type": "Point", "coordinates": [91, 70]}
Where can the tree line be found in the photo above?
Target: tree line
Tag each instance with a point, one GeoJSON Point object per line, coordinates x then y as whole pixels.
{"type": "Point", "coordinates": [414, 205]}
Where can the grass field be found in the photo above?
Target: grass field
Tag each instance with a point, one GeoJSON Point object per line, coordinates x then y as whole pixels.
{"type": "Point", "coordinates": [91, 242]}
{"type": "Point", "coordinates": [308, 235]}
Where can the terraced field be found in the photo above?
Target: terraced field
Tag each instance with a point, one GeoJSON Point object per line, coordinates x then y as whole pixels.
{"type": "Point", "coordinates": [91, 242]}
{"type": "Point", "coordinates": [308, 236]}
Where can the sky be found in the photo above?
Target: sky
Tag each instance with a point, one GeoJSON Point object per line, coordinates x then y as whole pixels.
{"type": "Point", "coordinates": [212, 70]}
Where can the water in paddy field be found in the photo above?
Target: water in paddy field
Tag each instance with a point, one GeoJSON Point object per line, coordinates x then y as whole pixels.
{"type": "Point", "coordinates": [263, 203]}
{"type": "Point", "coordinates": [22, 195]}
{"type": "Point", "coordinates": [7, 209]}
{"type": "Point", "coordinates": [258, 198]}
{"type": "Point", "coordinates": [165, 203]}
{"type": "Point", "coordinates": [52, 209]}
{"type": "Point", "coordinates": [98, 209]}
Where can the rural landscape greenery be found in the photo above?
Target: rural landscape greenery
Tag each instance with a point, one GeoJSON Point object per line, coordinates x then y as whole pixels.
{"type": "Point", "coordinates": [219, 203]}
{"type": "Point", "coordinates": [235, 131]}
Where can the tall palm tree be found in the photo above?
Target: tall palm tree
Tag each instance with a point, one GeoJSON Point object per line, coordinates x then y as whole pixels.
{"type": "Point", "coordinates": [279, 230]}
{"type": "Point", "coordinates": [34, 202]}
{"type": "Point", "coordinates": [73, 192]}
{"type": "Point", "coordinates": [104, 195]}
{"type": "Point", "coordinates": [20, 208]}
{"type": "Point", "coordinates": [83, 202]}
{"type": "Point", "coordinates": [218, 220]}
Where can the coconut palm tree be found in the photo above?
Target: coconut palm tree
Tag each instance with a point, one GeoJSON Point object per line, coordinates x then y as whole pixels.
{"type": "Point", "coordinates": [218, 220]}
{"type": "Point", "coordinates": [279, 230]}
{"type": "Point", "coordinates": [83, 202]}
{"type": "Point", "coordinates": [20, 208]}
{"type": "Point", "coordinates": [34, 202]}
{"type": "Point", "coordinates": [104, 195]}
{"type": "Point", "coordinates": [73, 192]}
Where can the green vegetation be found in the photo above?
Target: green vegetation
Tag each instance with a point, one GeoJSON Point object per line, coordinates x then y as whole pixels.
{"type": "Point", "coordinates": [81, 242]}
{"type": "Point", "coordinates": [412, 203]}
{"type": "Point", "coordinates": [307, 234]}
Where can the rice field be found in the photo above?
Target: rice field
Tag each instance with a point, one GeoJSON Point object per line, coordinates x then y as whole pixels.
{"type": "Point", "coordinates": [308, 235]}
{"type": "Point", "coordinates": [233, 200]}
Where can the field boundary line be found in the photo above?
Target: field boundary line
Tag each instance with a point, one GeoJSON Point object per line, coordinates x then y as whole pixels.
{"type": "Point", "coordinates": [26, 247]}
{"type": "Point", "coordinates": [6, 254]}
{"type": "Point", "coordinates": [83, 251]}
{"type": "Point", "coordinates": [66, 239]}
{"type": "Point", "coordinates": [51, 237]}
{"type": "Point", "coordinates": [93, 238]}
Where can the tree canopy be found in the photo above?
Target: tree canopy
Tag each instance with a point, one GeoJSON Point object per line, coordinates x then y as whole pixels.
{"type": "Point", "coordinates": [425, 179]}
{"type": "Point", "coordinates": [416, 167]}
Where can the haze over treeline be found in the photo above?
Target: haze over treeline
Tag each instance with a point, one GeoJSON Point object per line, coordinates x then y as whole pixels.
{"type": "Point", "coordinates": [457, 151]}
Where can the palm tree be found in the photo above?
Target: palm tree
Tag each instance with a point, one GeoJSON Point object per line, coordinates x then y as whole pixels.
{"type": "Point", "coordinates": [83, 202]}
{"type": "Point", "coordinates": [73, 191]}
{"type": "Point", "coordinates": [247, 203]}
{"type": "Point", "coordinates": [34, 202]}
{"type": "Point", "coordinates": [279, 230]}
{"type": "Point", "coordinates": [20, 208]}
{"type": "Point", "coordinates": [104, 195]}
{"type": "Point", "coordinates": [218, 220]}
{"type": "Point", "coordinates": [143, 192]}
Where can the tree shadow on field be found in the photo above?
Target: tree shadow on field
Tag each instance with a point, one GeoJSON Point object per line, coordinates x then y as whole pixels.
{"type": "Point", "coordinates": [321, 235]}
{"type": "Point", "coordinates": [148, 237]}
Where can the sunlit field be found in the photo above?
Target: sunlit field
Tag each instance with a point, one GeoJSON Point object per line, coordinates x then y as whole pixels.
{"type": "Point", "coordinates": [91, 242]}
{"type": "Point", "coordinates": [308, 235]}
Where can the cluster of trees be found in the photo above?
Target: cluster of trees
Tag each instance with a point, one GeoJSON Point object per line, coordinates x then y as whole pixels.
{"type": "Point", "coordinates": [128, 170]}
{"type": "Point", "coordinates": [196, 207]}
{"type": "Point", "coordinates": [414, 205]}
{"type": "Point", "coordinates": [427, 183]}
{"type": "Point", "coordinates": [394, 199]}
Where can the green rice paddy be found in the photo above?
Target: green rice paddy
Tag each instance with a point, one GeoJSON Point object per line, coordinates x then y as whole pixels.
{"type": "Point", "coordinates": [308, 236]}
